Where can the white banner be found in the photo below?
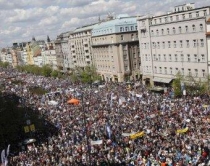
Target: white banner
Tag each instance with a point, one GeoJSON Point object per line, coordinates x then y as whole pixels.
{"type": "Point", "coordinates": [98, 142]}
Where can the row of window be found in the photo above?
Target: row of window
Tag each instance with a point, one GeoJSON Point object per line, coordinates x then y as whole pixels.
{"type": "Point", "coordinates": [177, 17]}
{"type": "Point", "coordinates": [128, 28]}
{"type": "Point", "coordinates": [172, 71]}
{"type": "Point", "coordinates": [175, 30]}
{"type": "Point", "coordinates": [176, 58]}
{"type": "Point", "coordinates": [174, 44]}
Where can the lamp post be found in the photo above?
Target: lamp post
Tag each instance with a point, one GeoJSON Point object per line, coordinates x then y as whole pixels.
{"type": "Point", "coordinates": [88, 157]}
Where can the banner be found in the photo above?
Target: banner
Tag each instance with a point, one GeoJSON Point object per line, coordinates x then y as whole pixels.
{"type": "Point", "coordinates": [26, 129]}
{"type": "Point", "coordinates": [127, 134]}
{"type": "Point", "coordinates": [96, 142]}
{"type": "Point", "coordinates": [182, 130]}
{"type": "Point", "coordinates": [136, 135]}
{"type": "Point", "coordinates": [32, 127]}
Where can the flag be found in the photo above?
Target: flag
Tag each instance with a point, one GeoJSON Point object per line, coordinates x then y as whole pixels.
{"type": "Point", "coordinates": [8, 148]}
{"type": "Point", "coordinates": [3, 157]}
{"type": "Point", "coordinates": [108, 129]}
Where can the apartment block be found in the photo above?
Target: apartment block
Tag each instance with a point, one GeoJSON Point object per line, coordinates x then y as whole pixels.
{"type": "Point", "coordinates": [174, 42]}
{"type": "Point", "coordinates": [81, 46]}
{"type": "Point", "coordinates": [115, 49]}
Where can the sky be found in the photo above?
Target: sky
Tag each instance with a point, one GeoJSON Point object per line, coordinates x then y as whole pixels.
{"type": "Point", "coordinates": [20, 20]}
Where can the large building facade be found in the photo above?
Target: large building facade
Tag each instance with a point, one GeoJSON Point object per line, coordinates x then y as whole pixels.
{"type": "Point", "coordinates": [174, 42]}
{"type": "Point", "coordinates": [115, 49]}
{"type": "Point", "coordinates": [81, 46]}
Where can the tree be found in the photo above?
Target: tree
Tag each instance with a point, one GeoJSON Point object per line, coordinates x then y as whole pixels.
{"type": "Point", "coordinates": [46, 71]}
{"type": "Point", "coordinates": [177, 85]}
{"type": "Point", "coordinates": [54, 73]}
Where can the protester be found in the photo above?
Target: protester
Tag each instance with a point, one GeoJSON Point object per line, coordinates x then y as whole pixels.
{"type": "Point", "coordinates": [118, 125]}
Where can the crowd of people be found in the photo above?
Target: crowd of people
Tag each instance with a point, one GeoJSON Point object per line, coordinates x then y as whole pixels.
{"type": "Point", "coordinates": [114, 124]}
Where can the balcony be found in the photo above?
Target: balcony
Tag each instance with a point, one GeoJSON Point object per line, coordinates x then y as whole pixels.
{"type": "Point", "coordinates": [142, 28]}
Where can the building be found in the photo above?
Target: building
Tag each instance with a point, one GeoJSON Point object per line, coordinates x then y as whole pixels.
{"type": "Point", "coordinates": [174, 42]}
{"type": "Point", "coordinates": [50, 55]}
{"type": "Point", "coordinates": [63, 52]}
{"type": "Point", "coordinates": [115, 49]}
{"type": "Point", "coordinates": [81, 46]}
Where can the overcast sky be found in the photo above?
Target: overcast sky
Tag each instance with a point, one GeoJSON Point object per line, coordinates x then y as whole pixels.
{"type": "Point", "coordinates": [22, 19]}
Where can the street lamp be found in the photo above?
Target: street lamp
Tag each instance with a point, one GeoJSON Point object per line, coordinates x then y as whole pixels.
{"type": "Point", "coordinates": [88, 157]}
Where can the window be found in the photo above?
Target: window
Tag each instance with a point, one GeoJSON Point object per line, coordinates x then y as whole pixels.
{"type": "Point", "coordinates": [132, 37]}
{"type": "Point", "coordinates": [166, 19]}
{"type": "Point", "coordinates": [171, 18]}
{"type": "Point", "coordinates": [202, 57]}
{"type": "Point", "coordinates": [163, 45]}
{"type": "Point", "coordinates": [121, 29]}
{"type": "Point", "coordinates": [158, 45]}
{"type": "Point", "coordinates": [202, 43]}
{"type": "Point", "coordinates": [164, 56]}
{"type": "Point", "coordinates": [122, 38]}
{"type": "Point", "coordinates": [195, 58]}
{"type": "Point", "coordinates": [159, 58]}
{"type": "Point", "coordinates": [155, 69]}
{"type": "Point", "coordinates": [183, 16]}
{"type": "Point", "coordinates": [157, 32]}
{"type": "Point", "coordinates": [131, 28]}
{"type": "Point", "coordinates": [155, 21]}
{"type": "Point", "coordinates": [188, 43]}
{"type": "Point", "coordinates": [203, 73]}
{"type": "Point", "coordinates": [177, 17]}
{"type": "Point", "coordinates": [162, 31]}
{"type": "Point", "coordinates": [193, 28]}
{"type": "Point", "coordinates": [169, 44]}
{"type": "Point", "coordinates": [189, 72]}
{"type": "Point", "coordinates": [176, 58]}
{"type": "Point", "coordinates": [136, 27]}
{"type": "Point", "coordinates": [160, 20]}
{"type": "Point", "coordinates": [186, 28]}
{"type": "Point", "coordinates": [188, 57]}
{"type": "Point", "coordinates": [182, 57]}
{"type": "Point", "coordinates": [204, 13]}
{"type": "Point", "coordinates": [126, 28]}
{"type": "Point", "coordinates": [190, 15]}
{"type": "Point", "coordinates": [201, 27]}
{"type": "Point", "coordinates": [165, 68]}
{"type": "Point", "coordinates": [168, 31]}
{"type": "Point", "coordinates": [146, 57]}
{"type": "Point", "coordinates": [153, 45]}
{"type": "Point", "coordinates": [181, 45]}
{"type": "Point", "coordinates": [180, 29]}
{"type": "Point", "coordinates": [182, 71]}
{"type": "Point", "coordinates": [152, 33]}
{"type": "Point", "coordinates": [194, 43]}
{"type": "Point", "coordinates": [174, 44]}
{"type": "Point", "coordinates": [174, 30]}
{"type": "Point", "coordinates": [160, 69]}
{"type": "Point", "coordinates": [170, 58]}
{"type": "Point", "coordinates": [196, 72]}
{"type": "Point", "coordinates": [171, 71]}
{"type": "Point", "coordinates": [154, 57]}
{"type": "Point", "coordinates": [197, 14]}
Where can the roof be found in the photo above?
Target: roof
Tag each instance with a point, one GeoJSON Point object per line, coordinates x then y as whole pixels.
{"type": "Point", "coordinates": [172, 13]}
{"type": "Point", "coordinates": [84, 28]}
{"type": "Point", "coordinates": [118, 21]}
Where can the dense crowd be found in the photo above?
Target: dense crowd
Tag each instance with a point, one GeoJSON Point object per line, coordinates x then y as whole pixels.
{"type": "Point", "coordinates": [99, 130]}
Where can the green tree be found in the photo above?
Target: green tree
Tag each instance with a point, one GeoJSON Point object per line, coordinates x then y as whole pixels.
{"type": "Point", "coordinates": [177, 85]}
{"type": "Point", "coordinates": [54, 73]}
{"type": "Point", "coordinates": [46, 71]}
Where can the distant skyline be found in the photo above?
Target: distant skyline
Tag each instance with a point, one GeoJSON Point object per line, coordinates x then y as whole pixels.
{"type": "Point", "coordinates": [23, 19]}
